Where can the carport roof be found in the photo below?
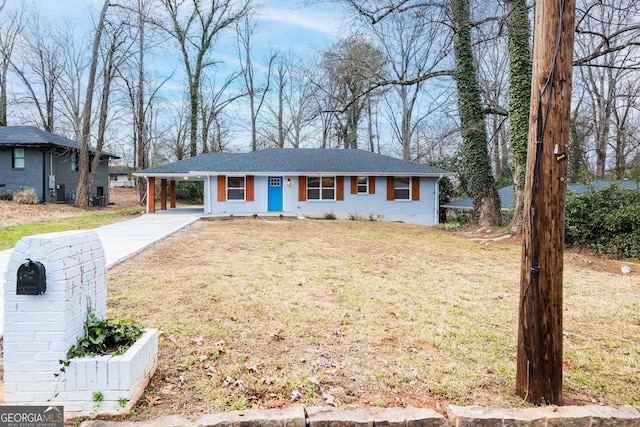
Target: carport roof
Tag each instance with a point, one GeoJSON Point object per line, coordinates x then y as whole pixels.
{"type": "Point", "coordinates": [296, 161]}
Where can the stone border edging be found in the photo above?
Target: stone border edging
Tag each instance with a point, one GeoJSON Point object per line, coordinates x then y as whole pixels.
{"type": "Point", "coordinates": [458, 416]}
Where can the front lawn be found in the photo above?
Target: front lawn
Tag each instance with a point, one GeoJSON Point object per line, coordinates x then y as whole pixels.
{"type": "Point", "coordinates": [270, 313]}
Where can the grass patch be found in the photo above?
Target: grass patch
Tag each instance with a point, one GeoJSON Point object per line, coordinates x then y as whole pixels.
{"type": "Point", "coordinates": [262, 314]}
{"type": "Point", "coordinates": [9, 236]}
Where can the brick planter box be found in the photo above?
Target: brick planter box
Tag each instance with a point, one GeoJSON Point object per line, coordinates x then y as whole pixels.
{"type": "Point", "coordinates": [121, 380]}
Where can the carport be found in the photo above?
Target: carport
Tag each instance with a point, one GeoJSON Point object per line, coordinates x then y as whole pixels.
{"type": "Point", "coordinates": [167, 188]}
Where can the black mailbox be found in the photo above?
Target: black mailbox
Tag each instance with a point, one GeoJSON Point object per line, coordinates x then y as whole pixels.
{"type": "Point", "coordinates": [32, 278]}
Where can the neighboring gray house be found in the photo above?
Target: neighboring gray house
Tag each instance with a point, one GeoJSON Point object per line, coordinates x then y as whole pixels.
{"type": "Point", "coordinates": [306, 182]}
{"type": "Point", "coordinates": [31, 157]}
{"type": "Point", "coordinates": [506, 194]}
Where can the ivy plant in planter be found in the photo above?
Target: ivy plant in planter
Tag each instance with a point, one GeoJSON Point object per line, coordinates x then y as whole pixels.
{"type": "Point", "coordinates": [105, 337]}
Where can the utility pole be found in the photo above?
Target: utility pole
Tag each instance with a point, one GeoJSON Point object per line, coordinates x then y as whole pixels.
{"type": "Point", "coordinates": [539, 362]}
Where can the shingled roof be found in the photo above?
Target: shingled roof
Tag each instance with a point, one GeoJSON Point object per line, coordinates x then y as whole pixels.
{"type": "Point", "coordinates": [29, 136]}
{"type": "Point", "coordinates": [296, 161]}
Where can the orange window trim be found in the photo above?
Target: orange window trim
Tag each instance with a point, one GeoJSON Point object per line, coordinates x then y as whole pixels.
{"type": "Point", "coordinates": [372, 185]}
{"type": "Point", "coordinates": [354, 185]}
{"type": "Point", "coordinates": [222, 188]}
{"type": "Point", "coordinates": [302, 188]}
{"type": "Point", "coordinates": [250, 188]}
{"type": "Point", "coordinates": [415, 188]}
{"type": "Point", "coordinates": [340, 188]}
{"type": "Point", "coordinates": [390, 189]}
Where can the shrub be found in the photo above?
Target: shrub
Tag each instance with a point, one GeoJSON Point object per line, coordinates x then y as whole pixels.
{"type": "Point", "coordinates": [190, 191]}
{"type": "Point", "coordinates": [6, 196]}
{"type": "Point", "coordinates": [26, 196]}
{"type": "Point", "coordinates": [329, 215]}
{"type": "Point", "coordinates": [606, 220]}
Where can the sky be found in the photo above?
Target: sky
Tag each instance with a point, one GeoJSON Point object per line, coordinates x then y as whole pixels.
{"type": "Point", "coordinates": [301, 27]}
{"type": "Point", "coordinates": [285, 24]}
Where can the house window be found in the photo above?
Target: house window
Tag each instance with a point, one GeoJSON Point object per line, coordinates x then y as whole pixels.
{"type": "Point", "coordinates": [74, 162]}
{"type": "Point", "coordinates": [235, 188]}
{"type": "Point", "coordinates": [17, 160]}
{"type": "Point", "coordinates": [321, 188]}
{"type": "Point", "coordinates": [113, 177]}
{"type": "Point", "coordinates": [401, 188]}
{"type": "Point", "coordinates": [363, 185]}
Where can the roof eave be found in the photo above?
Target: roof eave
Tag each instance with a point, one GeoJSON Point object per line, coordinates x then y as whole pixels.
{"type": "Point", "coordinates": [326, 173]}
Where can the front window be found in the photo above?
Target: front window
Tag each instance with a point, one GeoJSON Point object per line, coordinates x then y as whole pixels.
{"type": "Point", "coordinates": [74, 162]}
{"type": "Point", "coordinates": [401, 188]}
{"type": "Point", "coordinates": [235, 188]}
{"type": "Point", "coordinates": [321, 188]}
{"type": "Point", "coordinates": [363, 185]}
{"type": "Point", "coordinates": [17, 160]}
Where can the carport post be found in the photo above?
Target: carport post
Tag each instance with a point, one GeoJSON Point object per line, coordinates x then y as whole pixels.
{"type": "Point", "coordinates": [172, 192]}
{"type": "Point", "coordinates": [163, 194]}
{"type": "Point", "coordinates": [151, 194]}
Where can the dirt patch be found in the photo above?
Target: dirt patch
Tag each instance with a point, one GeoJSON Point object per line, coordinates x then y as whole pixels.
{"type": "Point", "coordinates": [12, 213]}
{"type": "Point", "coordinates": [261, 313]}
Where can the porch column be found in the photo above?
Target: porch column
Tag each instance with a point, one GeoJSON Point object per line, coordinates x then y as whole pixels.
{"type": "Point", "coordinates": [163, 194]}
{"type": "Point", "coordinates": [151, 195]}
{"type": "Point", "coordinates": [172, 192]}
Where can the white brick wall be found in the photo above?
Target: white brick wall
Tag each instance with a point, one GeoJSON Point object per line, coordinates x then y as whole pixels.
{"type": "Point", "coordinates": [40, 329]}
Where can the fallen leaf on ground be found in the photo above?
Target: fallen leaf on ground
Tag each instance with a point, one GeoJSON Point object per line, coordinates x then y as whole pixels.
{"type": "Point", "coordinates": [153, 400]}
{"type": "Point", "coordinates": [329, 399]}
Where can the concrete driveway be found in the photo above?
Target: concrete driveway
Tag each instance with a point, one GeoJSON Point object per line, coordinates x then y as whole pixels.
{"type": "Point", "coordinates": [124, 239]}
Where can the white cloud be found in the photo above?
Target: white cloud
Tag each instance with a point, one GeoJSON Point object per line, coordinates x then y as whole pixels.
{"type": "Point", "coordinates": [321, 21]}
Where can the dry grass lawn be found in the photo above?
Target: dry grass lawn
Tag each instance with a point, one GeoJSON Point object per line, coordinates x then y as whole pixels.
{"type": "Point", "coordinates": [12, 213]}
{"type": "Point", "coordinates": [262, 313]}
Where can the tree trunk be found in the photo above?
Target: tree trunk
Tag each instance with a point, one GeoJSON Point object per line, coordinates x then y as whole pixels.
{"type": "Point", "coordinates": [519, 100]}
{"type": "Point", "coordinates": [83, 190]}
{"type": "Point", "coordinates": [539, 355]}
{"type": "Point", "coordinates": [3, 93]}
{"type": "Point", "coordinates": [475, 155]}
{"type": "Point", "coordinates": [141, 140]}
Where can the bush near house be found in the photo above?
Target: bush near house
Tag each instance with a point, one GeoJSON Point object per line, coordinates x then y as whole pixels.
{"type": "Point", "coordinates": [606, 220]}
{"type": "Point", "coordinates": [26, 196]}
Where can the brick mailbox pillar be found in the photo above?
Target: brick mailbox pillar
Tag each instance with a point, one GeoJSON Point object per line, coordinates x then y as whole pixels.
{"type": "Point", "coordinates": [39, 329]}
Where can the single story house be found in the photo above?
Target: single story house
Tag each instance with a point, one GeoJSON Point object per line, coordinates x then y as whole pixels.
{"type": "Point", "coordinates": [306, 182]}
{"type": "Point", "coordinates": [507, 195]}
{"type": "Point", "coordinates": [120, 177]}
{"type": "Point", "coordinates": [32, 157]}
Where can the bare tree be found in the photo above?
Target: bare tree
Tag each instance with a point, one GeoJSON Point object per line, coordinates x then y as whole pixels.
{"type": "Point", "coordinates": [195, 24]}
{"type": "Point", "coordinates": [626, 125]}
{"type": "Point", "coordinates": [11, 25]}
{"type": "Point", "coordinates": [75, 59]}
{"type": "Point", "coordinates": [291, 115]}
{"type": "Point", "coordinates": [40, 69]}
{"type": "Point", "coordinates": [140, 91]}
{"type": "Point", "coordinates": [257, 95]}
{"type": "Point", "coordinates": [85, 182]}
{"type": "Point", "coordinates": [354, 65]}
{"type": "Point", "coordinates": [415, 45]}
{"type": "Point", "coordinates": [212, 104]}
{"type": "Point", "coordinates": [607, 55]}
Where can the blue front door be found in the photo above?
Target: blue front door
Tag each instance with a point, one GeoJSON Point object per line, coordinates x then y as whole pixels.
{"type": "Point", "coordinates": [275, 193]}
